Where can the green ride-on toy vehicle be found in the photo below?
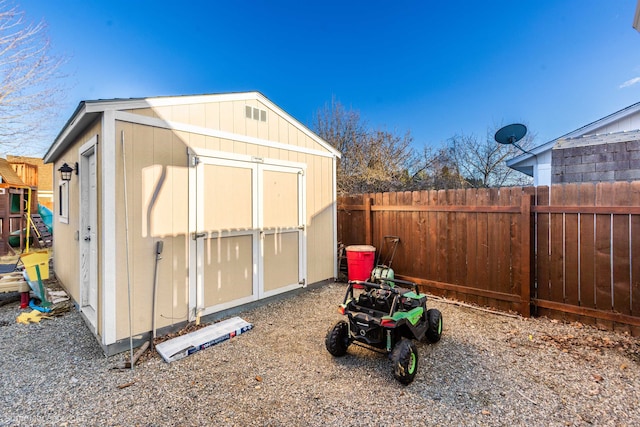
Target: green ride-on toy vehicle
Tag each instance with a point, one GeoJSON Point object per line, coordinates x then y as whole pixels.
{"type": "Point", "coordinates": [385, 317]}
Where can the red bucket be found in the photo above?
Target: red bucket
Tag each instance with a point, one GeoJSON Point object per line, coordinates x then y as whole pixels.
{"type": "Point", "coordinates": [360, 259]}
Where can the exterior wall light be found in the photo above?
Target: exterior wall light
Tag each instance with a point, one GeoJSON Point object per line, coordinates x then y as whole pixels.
{"type": "Point", "coordinates": [65, 171]}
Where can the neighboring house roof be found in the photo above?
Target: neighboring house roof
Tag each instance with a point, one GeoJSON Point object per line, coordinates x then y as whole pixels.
{"type": "Point", "coordinates": [9, 176]}
{"type": "Point", "coordinates": [89, 111]}
{"type": "Point", "coordinates": [523, 162]}
{"type": "Point", "coordinates": [597, 139]}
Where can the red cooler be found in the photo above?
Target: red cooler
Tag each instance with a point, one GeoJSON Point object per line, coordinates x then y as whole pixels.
{"type": "Point", "coordinates": [360, 259]}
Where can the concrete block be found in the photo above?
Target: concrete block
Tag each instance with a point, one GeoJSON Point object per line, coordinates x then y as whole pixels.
{"type": "Point", "coordinates": [598, 176]}
{"type": "Point", "coordinates": [599, 157]}
{"type": "Point", "coordinates": [572, 160]}
{"type": "Point", "coordinates": [580, 168]}
{"type": "Point", "coordinates": [633, 146]}
{"type": "Point", "coordinates": [557, 158]}
{"type": "Point", "coordinates": [617, 147]}
{"type": "Point", "coordinates": [612, 166]}
{"type": "Point", "coordinates": [627, 175]}
{"type": "Point", "coordinates": [571, 177]}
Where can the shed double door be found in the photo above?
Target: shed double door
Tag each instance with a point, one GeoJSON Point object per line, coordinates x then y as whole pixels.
{"type": "Point", "coordinates": [250, 231]}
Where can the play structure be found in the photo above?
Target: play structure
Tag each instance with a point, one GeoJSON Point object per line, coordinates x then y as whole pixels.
{"type": "Point", "coordinates": [21, 218]}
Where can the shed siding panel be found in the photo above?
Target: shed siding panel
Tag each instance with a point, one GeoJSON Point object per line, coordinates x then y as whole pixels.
{"type": "Point", "coordinates": [226, 116]}
{"type": "Point", "coordinates": [212, 112]}
{"type": "Point", "coordinates": [157, 182]}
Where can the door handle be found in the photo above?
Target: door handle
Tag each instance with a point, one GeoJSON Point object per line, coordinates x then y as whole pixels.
{"type": "Point", "coordinates": [86, 239]}
{"type": "Point", "coordinates": [198, 235]}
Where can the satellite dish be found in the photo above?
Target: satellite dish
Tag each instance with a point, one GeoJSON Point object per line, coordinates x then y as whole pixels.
{"type": "Point", "coordinates": [511, 134]}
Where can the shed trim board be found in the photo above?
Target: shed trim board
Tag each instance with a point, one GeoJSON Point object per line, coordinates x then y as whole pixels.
{"type": "Point", "coordinates": [199, 130]}
{"type": "Point", "coordinates": [109, 245]}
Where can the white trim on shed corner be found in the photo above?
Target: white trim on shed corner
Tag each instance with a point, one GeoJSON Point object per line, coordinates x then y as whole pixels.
{"type": "Point", "coordinates": [199, 130]}
{"type": "Point", "coordinates": [108, 239]}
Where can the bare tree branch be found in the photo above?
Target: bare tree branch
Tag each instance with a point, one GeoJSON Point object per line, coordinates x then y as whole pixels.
{"type": "Point", "coordinates": [31, 89]}
{"type": "Point", "coordinates": [481, 162]}
{"type": "Point", "coordinates": [372, 160]}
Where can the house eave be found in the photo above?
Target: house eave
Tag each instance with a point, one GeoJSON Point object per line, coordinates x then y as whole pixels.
{"type": "Point", "coordinates": [519, 162]}
{"type": "Point", "coordinates": [80, 119]}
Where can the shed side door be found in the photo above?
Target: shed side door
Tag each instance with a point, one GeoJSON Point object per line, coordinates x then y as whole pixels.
{"type": "Point", "coordinates": [282, 228]}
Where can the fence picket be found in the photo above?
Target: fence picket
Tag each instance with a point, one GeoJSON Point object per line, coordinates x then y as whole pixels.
{"type": "Point", "coordinates": [634, 232]}
{"type": "Point", "coordinates": [587, 290]}
{"type": "Point", "coordinates": [621, 262]}
{"type": "Point", "coordinates": [472, 244]}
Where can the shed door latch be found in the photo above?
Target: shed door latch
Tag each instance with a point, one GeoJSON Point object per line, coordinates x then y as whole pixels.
{"type": "Point", "coordinates": [196, 236]}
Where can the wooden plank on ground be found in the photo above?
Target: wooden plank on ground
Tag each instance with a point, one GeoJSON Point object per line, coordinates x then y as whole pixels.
{"type": "Point", "coordinates": [16, 284]}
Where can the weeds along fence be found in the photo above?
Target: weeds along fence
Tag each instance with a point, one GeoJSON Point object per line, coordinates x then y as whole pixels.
{"type": "Point", "coordinates": [571, 251]}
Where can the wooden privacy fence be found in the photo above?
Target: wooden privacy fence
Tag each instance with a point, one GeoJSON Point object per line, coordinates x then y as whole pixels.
{"type": "Point", "coordinates": [572, 251]}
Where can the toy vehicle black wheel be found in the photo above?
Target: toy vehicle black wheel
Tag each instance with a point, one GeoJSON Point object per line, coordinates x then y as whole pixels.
{"type": "Point", "coordinates": [405, 361]}
{"type": "Point", "coordinates": [434, 329]}
{"type": "Point", "coordinates": [337, 340]}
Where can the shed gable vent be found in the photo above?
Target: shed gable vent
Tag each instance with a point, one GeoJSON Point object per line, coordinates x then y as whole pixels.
{"type": "Point", "coordinates": [255, 113]}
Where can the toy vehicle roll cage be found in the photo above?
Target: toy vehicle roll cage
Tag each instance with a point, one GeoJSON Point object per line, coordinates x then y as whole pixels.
{"type": "Point", "coordinates": [397, 292]}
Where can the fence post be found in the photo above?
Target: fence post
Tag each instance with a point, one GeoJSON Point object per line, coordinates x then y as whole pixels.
{"type": "Point", "coordinates": [368, 229]}
{"type": "Point", "coordinates": [525, 256]}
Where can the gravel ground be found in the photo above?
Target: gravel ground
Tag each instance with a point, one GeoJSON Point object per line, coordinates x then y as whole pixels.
{"type": "Point", "coordinates": [487, 370]}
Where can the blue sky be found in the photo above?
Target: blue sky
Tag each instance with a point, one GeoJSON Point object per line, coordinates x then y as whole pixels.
{"type": "Point", "coordinates": [433, 68]}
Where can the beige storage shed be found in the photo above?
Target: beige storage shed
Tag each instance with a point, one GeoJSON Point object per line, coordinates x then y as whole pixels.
{"type": "Point", "coordinates": [241, 195]}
